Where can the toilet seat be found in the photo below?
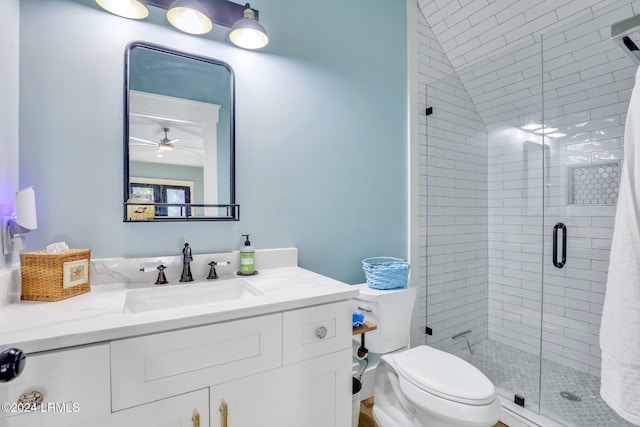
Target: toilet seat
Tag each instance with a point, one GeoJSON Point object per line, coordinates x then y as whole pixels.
{"type": "Point", "coordinates": [444, 375]}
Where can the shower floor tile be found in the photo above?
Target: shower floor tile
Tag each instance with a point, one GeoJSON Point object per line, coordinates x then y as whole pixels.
{"type": "Point", "coordinates": [514, 371]}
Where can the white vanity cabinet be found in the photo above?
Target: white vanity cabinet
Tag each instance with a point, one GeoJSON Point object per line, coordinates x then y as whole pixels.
{"type": "Point", "coordinates": [282, 359]}
{"type": "Point", "coordinates": [73, 383]}
{"type": "Point", "coordinates": [284, 369]}
{"type": "Point", "coordinates": [311, 389]}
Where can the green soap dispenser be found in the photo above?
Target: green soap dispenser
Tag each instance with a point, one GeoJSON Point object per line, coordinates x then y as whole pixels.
{"type": "Point", "coordinates": [247, 258]}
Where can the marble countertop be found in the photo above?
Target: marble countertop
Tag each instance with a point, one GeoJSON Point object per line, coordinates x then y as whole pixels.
{"type": "Point", "coordinates": [100, 315]}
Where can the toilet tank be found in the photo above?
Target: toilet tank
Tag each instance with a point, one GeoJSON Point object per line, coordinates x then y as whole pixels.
{"type": "Point", "coordinates": [391, 311]}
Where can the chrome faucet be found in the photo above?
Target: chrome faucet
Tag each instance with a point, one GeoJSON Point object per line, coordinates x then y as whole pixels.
{"type": "Point", "coordinates": [186, 267]}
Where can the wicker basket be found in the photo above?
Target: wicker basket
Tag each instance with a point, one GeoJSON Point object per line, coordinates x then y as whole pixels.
{"type": "Point", "coordinates": [52, 277]}
{"type": "Point", "coordinates": [386, 273]}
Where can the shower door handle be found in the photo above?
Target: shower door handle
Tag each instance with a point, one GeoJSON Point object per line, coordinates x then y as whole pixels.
{"type": "Point", "coordinates": [562, 227]}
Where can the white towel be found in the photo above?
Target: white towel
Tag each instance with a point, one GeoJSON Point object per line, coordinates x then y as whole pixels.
{"type": "Point", "coordinates": [620, 329]}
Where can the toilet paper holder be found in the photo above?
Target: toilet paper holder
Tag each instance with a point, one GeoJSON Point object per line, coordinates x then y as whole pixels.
{"type": "Point", "coordinates": [362, 352]}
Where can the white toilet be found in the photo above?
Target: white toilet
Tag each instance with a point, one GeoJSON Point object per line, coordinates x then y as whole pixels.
{"type": "Point", "coordinates": [421, 386]}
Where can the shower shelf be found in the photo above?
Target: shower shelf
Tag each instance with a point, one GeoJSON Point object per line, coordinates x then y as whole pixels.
{"type": "Point", "coordinates": [594, 184]}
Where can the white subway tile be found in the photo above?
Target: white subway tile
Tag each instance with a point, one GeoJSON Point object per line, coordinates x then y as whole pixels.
{"type": "Point", "coordinates": [566, 342]}
{"type": "Point", "coordinates": [569, 9]}
{"type": "Point", "coordinates": [470, 180]}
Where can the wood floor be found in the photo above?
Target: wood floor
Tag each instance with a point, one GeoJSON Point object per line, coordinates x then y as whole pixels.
{"type": "Point", "coordinates": [366, 418]}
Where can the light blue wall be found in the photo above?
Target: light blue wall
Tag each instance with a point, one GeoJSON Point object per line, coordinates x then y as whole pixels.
{"type": "Point", "coordinates": [321, 131]}
{"type": "Point", "coordinates": [9, 31]}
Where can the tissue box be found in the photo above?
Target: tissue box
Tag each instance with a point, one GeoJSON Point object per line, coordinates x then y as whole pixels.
{"type": "Point", "coordinates": [54, 276]}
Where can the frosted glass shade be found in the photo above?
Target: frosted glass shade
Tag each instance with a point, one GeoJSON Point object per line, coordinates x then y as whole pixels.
{"type": "Point", "coordinates": [189, 16]}
{"type": "Point", "coordinates": [133, 9]}
{"type": "Point", "coordinates": [248, 33]}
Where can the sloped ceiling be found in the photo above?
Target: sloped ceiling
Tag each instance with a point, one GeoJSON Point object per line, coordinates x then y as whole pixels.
{"type": "Point", "coordinates": [471, 31]}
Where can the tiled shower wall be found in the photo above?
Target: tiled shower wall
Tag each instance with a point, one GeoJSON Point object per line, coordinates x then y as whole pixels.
{"type": "Point", "coordinates": [588, 97]}
{"type": "Point", "coordinates": [453, 202]}
{"type": "Point", "coordinates": [587, 84]}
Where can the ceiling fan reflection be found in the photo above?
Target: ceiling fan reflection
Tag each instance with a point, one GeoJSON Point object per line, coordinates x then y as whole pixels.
{"type": "Point", "coordinates": [165, 144]}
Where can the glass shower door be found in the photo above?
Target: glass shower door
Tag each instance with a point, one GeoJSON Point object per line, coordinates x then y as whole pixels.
{"type": "Point", "coordinates": [483, 199]}
{"type": "Point", "coordinates": [587, 84]}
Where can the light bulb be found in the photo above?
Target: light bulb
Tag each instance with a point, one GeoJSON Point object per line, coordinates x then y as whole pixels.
{"type": "Point", "coordinates": [190, 17]}
{"type": "Point", "coordinates": [248, 33]}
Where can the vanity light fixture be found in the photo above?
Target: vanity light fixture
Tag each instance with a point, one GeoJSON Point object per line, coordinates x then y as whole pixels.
{"type": "Point", "coordinates": [247, 32]}
{"type": "Point", "coordinates": [189, 16]}
{"type": "Point", "coordinates": [198, 17]}
{"type": "Point", "coordinates": [133, 9]}
{"type": "Point", "coordinates": [15, 227]}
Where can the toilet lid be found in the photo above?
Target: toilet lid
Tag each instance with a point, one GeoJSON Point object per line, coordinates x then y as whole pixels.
{"type": "Point", "coordinates": [445, 375]}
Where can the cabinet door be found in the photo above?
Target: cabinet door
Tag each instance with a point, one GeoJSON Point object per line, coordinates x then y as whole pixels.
{"type": "Point", "coordinates": [186, 410]}
{"type": "Point", "coordinates": [74, 385]}
{"type": "Point", "coordinates": [314, 393]}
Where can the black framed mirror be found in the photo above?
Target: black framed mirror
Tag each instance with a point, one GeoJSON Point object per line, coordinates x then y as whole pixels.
{"type": "Point", "coordinates": [179, 137]}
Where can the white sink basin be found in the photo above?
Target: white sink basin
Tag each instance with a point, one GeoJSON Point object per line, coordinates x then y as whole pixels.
{"type": "Point", "coordinates": [164, 297]}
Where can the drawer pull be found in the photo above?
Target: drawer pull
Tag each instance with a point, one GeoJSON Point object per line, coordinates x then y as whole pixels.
{"type": "Point", "coordinates": [365, 309]}
{"type": "Point", "coordinates": [321, 332]}
{"type": "Point", "coordinates": [225, 412]}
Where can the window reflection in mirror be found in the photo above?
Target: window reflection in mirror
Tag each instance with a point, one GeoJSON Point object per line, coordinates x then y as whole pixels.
{"type": "Point", "coordinates": [179, 136]}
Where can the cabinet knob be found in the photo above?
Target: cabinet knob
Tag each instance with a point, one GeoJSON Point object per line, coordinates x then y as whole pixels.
{"type": "Point", "coordinates": [321, 332]}
{"type": "Point", "coordinates": [31, 398]}
{"type": "Point", "coordinates": [12, 361]}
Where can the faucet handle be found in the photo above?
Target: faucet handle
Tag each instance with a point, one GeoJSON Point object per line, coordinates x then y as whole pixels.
{"type": "Point", "coordinates": [213, 274]}
{"type": "Point", "coordinates": [162, 279]}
